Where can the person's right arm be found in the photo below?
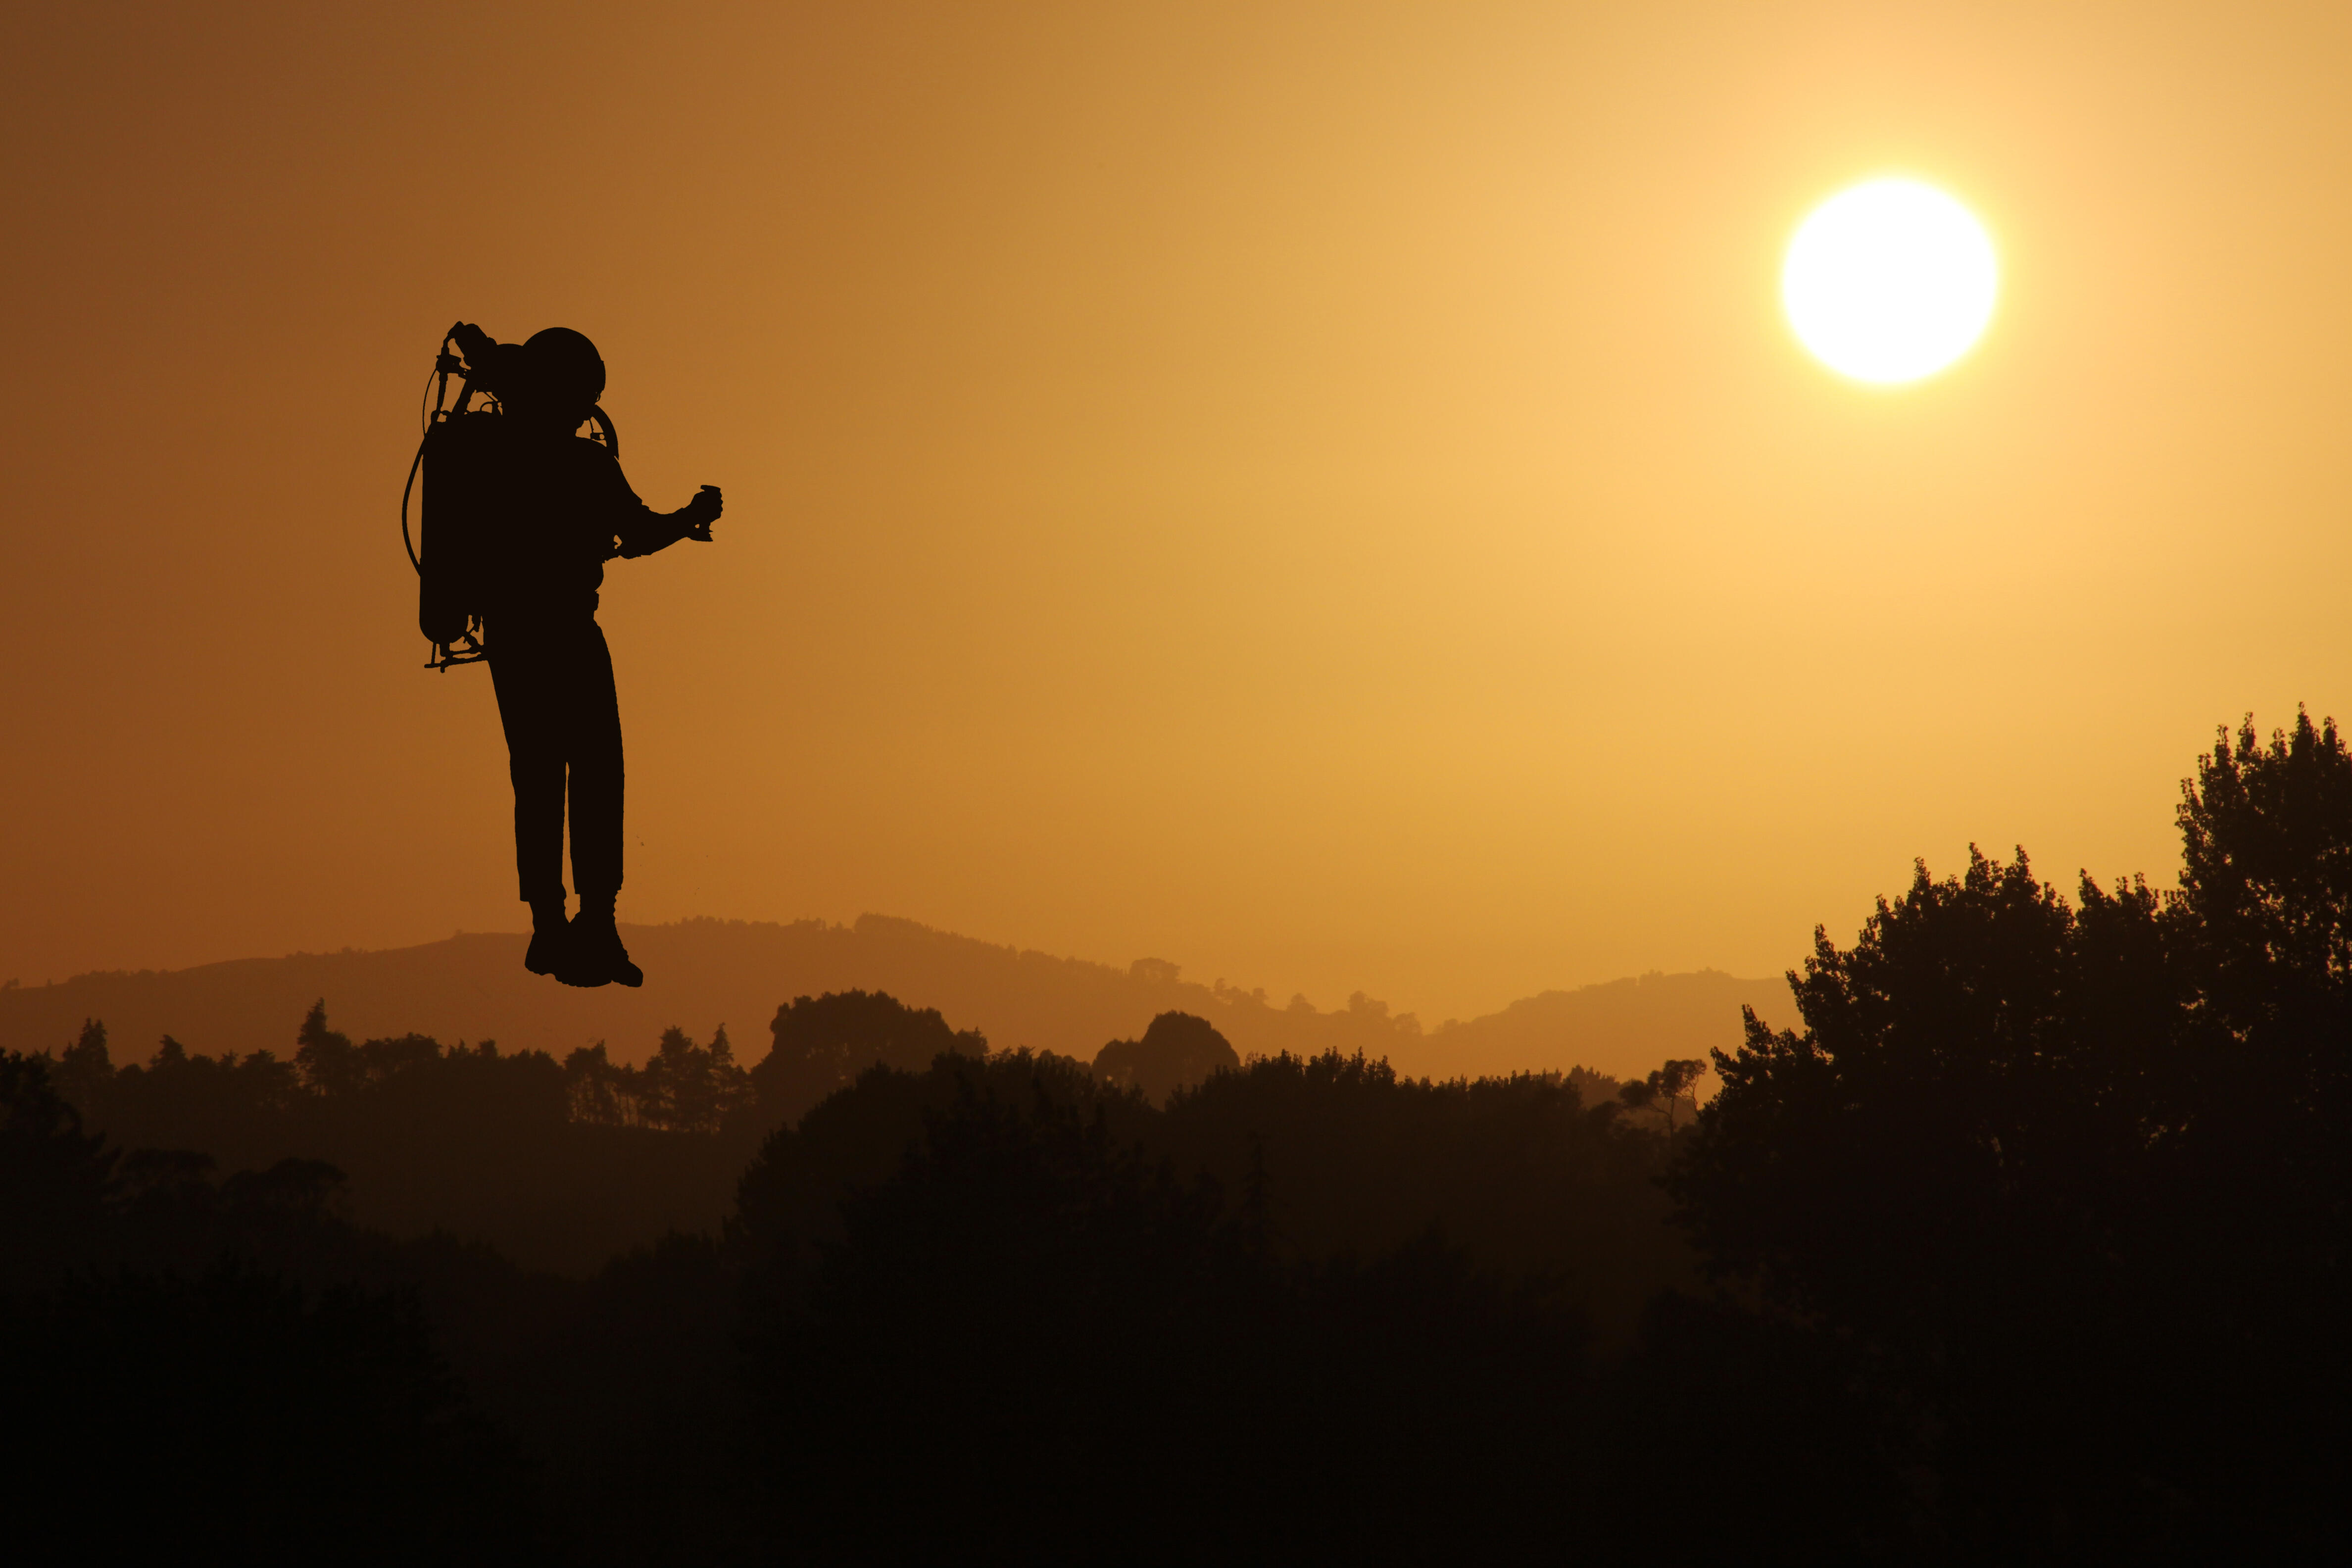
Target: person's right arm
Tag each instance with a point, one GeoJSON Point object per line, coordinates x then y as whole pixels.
{"type": "Point", "coordinates": [638, 528]}
{"type": "Point", "coordinates": [645, 531]}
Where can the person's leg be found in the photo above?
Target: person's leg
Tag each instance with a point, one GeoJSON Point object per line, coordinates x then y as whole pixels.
{"type": "Point", "coordinates": [530, 710]}
{"type": "Point", "coordinates": [594, 749]}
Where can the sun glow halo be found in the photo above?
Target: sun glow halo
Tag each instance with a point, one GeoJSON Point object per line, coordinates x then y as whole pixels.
{"type": "Point", "coordinates": [1889, 281]}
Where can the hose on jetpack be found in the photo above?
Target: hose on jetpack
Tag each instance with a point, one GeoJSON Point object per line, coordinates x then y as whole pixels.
{"type": "Point", "coordinates": [454, 462]}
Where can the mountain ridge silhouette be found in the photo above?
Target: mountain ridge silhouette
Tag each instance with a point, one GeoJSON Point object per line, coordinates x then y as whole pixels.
{"type": "Point", "coordinates": [703, 972]}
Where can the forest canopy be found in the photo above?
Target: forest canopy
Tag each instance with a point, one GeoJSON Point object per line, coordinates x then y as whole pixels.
{"type": "Point", "coordinates": [2029, 1241]}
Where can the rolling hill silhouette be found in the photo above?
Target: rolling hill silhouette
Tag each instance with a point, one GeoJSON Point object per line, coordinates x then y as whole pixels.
{"type": "Point", "coordinates": [705, 972]}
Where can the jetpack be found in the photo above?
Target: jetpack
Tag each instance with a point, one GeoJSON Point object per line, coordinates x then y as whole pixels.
{"type": "Point", "coordinates": [457, 509]}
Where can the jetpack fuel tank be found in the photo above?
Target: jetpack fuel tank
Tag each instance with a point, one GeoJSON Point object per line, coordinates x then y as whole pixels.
{"type": "Point", "coordinates": [460, 463]}
{"type": "Point", "coordinates": [454, 519]}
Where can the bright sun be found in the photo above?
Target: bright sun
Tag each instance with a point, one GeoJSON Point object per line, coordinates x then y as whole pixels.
{"type": "Point", "coordinates": [1889, 281]}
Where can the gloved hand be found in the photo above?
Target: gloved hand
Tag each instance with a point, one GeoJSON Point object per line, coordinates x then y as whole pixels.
{"type": "Point", "coordinates": [702, 512]}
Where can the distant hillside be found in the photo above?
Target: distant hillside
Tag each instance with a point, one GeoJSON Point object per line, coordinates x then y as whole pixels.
{"type": "Point", "coordinates": [1617, 1027]}
{"type": "Point", "coordinates": [704, 972]}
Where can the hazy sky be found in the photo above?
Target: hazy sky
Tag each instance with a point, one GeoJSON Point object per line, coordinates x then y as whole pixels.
{"type": "Point", "coordinates": [1321, 494]}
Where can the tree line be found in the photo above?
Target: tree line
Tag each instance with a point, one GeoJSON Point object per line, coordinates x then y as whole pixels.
{"type": "Point", "coordinates": [684, 1088]}
{"type": "Point", "coordinates": [725, 1389]}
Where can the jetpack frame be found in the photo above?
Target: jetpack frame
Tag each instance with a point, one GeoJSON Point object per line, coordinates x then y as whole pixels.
{"type": "Point", "coordinates": [455, 512]}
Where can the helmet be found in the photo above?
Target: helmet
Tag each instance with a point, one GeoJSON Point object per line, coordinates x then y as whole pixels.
{"type": "Point", "coordinates": [564, 367]}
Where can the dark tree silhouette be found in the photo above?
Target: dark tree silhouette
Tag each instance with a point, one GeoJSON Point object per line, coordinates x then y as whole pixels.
{"type": "Point", "coordinates": [2031, 1241]}
{"type": "Point", "coordinates": [254, 1420]}
{"type": "Point", "coordinates": [562, 1164]}
{"type": "Point", "coordinates": [2073, 1183]}
{"type": "Point", "coordinates": [2266, 876]}
{"type": "Point", "coordinates": [56, 1181]}
{"type": "Point", "coordinates": [250, 1417]}
{"type": "Point", "coordinates": [686, 1087]}
{"type": "Point", "coordinates": [1054, 1302]}
{"type": "Point", "coordinates": [1947, 1119]}
{"type": "Point", "coordinates": [1664, 1090]}
{"type": "Point", "coordinates": [84, 1067]}
{"type": "Point", "coordinates": [823, 1043]}
{"type": "Point", "coordinates": [692, 1088]}
{"type": "Point", "coordinates": [326, 1056]}
{"type": "Point", "coordinates": [1177, 1051]}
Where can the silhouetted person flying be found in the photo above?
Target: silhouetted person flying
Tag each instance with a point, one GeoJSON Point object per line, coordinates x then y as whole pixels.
{"type": "Point", "coordinates": [562, 508]}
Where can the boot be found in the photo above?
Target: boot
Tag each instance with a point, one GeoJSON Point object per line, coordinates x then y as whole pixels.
{"type": "Point", "coordinates": [597, 957]}
{"type": "Point", "coordinates": [549, 936]}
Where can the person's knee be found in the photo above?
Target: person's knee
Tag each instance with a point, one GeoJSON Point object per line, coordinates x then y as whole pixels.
{"type": "Point", "coordinates": [537, 770]}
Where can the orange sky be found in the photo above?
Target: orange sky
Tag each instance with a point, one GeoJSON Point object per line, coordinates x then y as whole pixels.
{"type": "Point", "coordinates": [1321, 494]}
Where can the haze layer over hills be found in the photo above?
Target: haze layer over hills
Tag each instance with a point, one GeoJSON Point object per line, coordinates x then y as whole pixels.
{"type": "Point", "coordinates": [705, 972]}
